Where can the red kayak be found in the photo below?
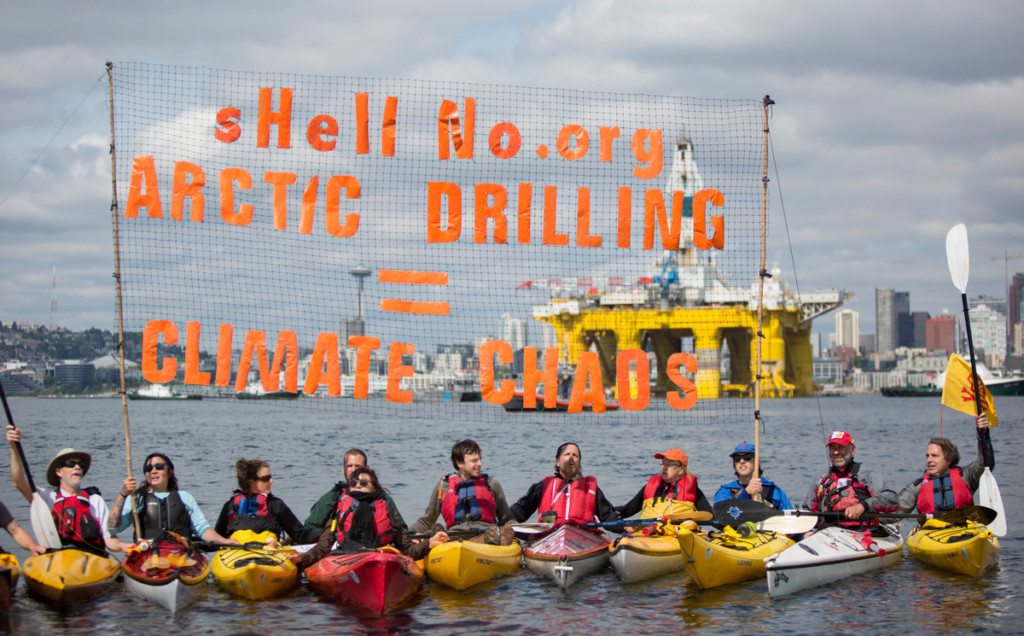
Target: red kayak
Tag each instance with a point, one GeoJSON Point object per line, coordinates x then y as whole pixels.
{"type": "Point", "coordinates": [379, 581]}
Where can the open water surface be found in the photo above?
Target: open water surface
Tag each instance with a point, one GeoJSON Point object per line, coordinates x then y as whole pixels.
{"type": "Point", "coordinates": [304, 449]}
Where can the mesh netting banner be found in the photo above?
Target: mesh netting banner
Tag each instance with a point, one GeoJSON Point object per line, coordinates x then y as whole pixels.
{"type": "Point", "coordinates": [374, 244]}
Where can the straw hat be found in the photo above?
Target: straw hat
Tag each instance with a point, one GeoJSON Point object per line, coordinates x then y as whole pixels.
{"type": "Point", "coordinates": [58, 461]}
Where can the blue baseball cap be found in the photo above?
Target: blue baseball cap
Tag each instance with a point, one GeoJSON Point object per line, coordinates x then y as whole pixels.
{"type": "Point", "coordinates": [743, 448]}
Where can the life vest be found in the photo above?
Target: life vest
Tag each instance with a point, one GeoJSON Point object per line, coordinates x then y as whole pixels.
{"type": "Point", "coordinates": [160, 515]}
{"type": "Point", "coordinates": [381, 520]}
{"type": "Point", "coordinates": [943, 493]}
{"type": "Point", "coordinates": [75, 523]}
{"type": "Point", "coordinates": [838, 490]}
{"type": "Point", "coordinates": [575, 501]}
{"type": "Point", "coordinates": [662, 499]}
{"type": "Point", "coordinates": [467, 500]}
{"type": "Point", "coordinates": [251, 511]}
{"type": "Point", "coordinates": [767, 493]}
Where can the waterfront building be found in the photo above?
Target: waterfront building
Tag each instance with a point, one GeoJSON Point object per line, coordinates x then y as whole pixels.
{"type": "Point", "coordinates": [848, 329]}
{"type": "Point", "coordinates": [885, 320]}
{"type": "Point", "coordinates": [940, 334]}
{"type": "Point", "coordinates": [988, 328]}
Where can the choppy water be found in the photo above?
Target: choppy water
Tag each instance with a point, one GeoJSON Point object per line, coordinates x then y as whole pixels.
{"type": "Point", "coordinates": [304, 449]}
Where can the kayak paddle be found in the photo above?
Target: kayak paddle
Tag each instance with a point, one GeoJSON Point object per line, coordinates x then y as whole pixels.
{"type": "Point", "coordinates": [39, 511]}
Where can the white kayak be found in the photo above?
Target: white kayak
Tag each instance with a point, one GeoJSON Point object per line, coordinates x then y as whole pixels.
{"type": "Point", "coordinates": [830, 554]}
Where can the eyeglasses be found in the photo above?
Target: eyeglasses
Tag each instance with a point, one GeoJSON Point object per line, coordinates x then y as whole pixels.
{"type": "Point", "coordinates": [71, 463]}
{"type": "Point", "coordinates": [746, 457]}
{"type": "Point", "coordinates": [264, 478]}
{"type": "Point", "coordinates": [363, 483]}
{"type": "Point", "coordinates": [671, 465]}
{"type": "Point", "coordinates": [151, 467]}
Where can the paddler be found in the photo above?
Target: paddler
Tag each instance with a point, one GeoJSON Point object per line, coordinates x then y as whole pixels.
{"type": "Point", "coordinates": [161, 506]}
{"type": "Point", "coordinates": [77, 512]}
{"type": "Point", "coordinates": [323, 510]}
{"type": "Point", "coordinates": [746, 485]}
{"type": "Point", "coordinates": [469, 499]}
{"type": "Point", "coordinates": [18, 533]}
{"type": "Point", "coordinates": [363, 520]}
{"type": "Point", "coordinates": [565, 495]}
{"type": "Point", "coordinates": [253, 507]}
{"type": "Point", "coordinates": [673, 492]}
{"type": "Point", "coordinates": [944, 485]}
{"type": "Point", "coordinates": [847, 487]}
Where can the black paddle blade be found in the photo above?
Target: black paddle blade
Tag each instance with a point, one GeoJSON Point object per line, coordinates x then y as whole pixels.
{"type": "Point", "coordinates": [733, 512]}
{"type": "Point", "coordinates": [977, 514]}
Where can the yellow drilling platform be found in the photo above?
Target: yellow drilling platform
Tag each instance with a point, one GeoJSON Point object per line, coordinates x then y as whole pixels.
{"type": "Point", "coordinates": [685, 306]}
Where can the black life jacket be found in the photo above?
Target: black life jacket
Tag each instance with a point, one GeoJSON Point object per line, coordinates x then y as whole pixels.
{"type": "Point", "coordinates": [157, 516]}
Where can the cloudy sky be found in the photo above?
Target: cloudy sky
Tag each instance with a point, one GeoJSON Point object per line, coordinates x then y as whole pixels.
{"type": "Point", "coordinates": [893, 121]}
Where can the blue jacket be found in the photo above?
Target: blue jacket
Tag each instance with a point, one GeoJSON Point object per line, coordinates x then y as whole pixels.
{"type": "Point", "coordinates": [769, 491]}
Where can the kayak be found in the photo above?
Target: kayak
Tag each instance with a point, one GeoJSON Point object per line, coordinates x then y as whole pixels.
{"type": "Point", "coordinates": [9, 573]}
{"type": "Point", "coordinates": [169, 574]}
{"type": "Point", "coordinates": [378, 581]}
{"type": "Point", "coordinates": [830, 554]}
{"type": "Point", "coordinates": [463, 564]}
{"type": "Point", "coordinates": [970, 549]}
{"type": "Point", "coordinates": [638, 557]}
{"type": "Point", "coordinates": [68, 575]}
{"type": "Point", "coordinates": [567, 554]}
{"type": "Point", "coordinates": [253, 574]}
{"type": "Point", "coordinates": [730, 556]}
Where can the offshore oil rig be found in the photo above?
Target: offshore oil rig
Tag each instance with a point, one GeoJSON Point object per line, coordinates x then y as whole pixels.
{"type": "Point", "coordinates": [685, 305]}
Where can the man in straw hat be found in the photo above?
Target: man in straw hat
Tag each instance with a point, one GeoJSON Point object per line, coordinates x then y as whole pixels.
{"type": "Point", "coordinates": [77, 512]}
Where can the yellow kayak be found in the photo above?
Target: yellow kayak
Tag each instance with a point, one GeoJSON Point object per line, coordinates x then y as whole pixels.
{"type": "Point", "coordinates": [969, 549]}
{"type": "Point", "coordinates": [721, 558]}
{"type": "Point", "coordinates": [68, 576]}
{"type": "Point", "coordinates": [648, 553]}
{"type": "Point", "coordinates": [463, 564]}
{"type": "Point", "coordinates": [254, 574]}
{"type": "Point", "coordinates": [10, 571]}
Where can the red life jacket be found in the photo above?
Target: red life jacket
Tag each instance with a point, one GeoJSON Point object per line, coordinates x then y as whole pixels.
{"type": "Point", "coordinates": [575, 501]}
{"type": "Point", "coordinates": [684, 490]}
{"type": "Point", "coordinates": [251, 511]}
{"type": "Point", "coordinates": [75, 523]}
{"type": "Point", "coordinates": [935, 494]}
{"type": "Point", "coordinates": [468, 500]}
{"type": "Point", "coordinates": [838, 490]}
{"type": "Point", "coordinates": [381, 520]}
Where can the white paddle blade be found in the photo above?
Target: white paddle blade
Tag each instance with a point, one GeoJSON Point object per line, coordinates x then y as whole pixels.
{"type": "Point", "coordinates": [988, 496]}
{"type": "Point", "coordinates": [958, 256]}
{"type": "Point", "coordinates": [42, 523]}
{"type": "Point", "coordinates": [788, 524]}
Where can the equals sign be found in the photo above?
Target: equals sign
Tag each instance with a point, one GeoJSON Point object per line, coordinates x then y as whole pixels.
{"type": "Point", "coordinates": [409, 277]}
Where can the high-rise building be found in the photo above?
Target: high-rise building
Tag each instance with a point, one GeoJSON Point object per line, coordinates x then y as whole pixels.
{"type": "Point", "coordinates": [904, 321]}
{"type": "Point", "coordinates": [940, 334]}
{"type": "Point", "coordinates": [513, 331]}
{"type": "Point", "coordinates": [919, 319]}
{"type": "Point", "coordinates": [848, 329]}
{"type": "Point", "coordinates": [1015, 294]}
{"type": "Point", "coordinates": [885, 320]}
{"type": "Point", "coordinates": [988, 329]}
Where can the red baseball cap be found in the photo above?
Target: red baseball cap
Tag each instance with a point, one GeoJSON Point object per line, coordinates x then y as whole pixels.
{"type": "Point", "coordinates": [672, 454]}
{"type": "Point", "coordinates": [840, 437]}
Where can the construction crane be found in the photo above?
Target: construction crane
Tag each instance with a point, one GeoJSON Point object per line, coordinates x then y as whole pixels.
{"type": "Point", "coordinates": [1006, 258]}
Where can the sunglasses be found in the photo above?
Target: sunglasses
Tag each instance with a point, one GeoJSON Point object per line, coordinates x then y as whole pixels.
{"type": "Point", "coordinates": [364, 483]}
{"type": "Point", "coordinates": [71, 463]}
{"type": "Point", "coordinates": [151, 467]}
{"type": "Point", "coordinates": [264, 477]}
{"type": "Point", "coordinates": [744, 457]}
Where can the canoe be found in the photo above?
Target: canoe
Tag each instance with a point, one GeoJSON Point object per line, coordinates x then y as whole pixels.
{"type": "Point", "coordinates": [10, 571]}
{"type": "Point", "coordinates": [68, 576]}
{"type": "Point", "coordinates": [567, 554]}
{"type": "Point", "coordinates": [169, 574]}
{"type": "Point", "coordinates": [730, 556]}
{"type": "Point", "coordinates": [970, 549]}
{"type": "Point", "coordinates": [463, 564]}
{"type": "Point", "coordinates": [638, 557]}
{"type": "Point", "coordinates": [378, 581]}
{"type": "Point", "coordinates": [830, 554]}
{"type": "Point", "coordinates": [253, 574]}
